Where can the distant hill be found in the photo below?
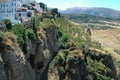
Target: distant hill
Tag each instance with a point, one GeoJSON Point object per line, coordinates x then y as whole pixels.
{"type": "Point", "coordinates": [94, 22]}
{"type": "Point", "coordinates": [96, 11]}
{"type": "Point", "coordinates": [85, 18]}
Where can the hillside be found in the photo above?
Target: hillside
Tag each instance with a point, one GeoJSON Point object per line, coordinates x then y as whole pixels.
{"type": "Point", "coordinates": [93, 22]}
{"type": "Point", "coordinates": [105, 31]}
{"type": "Point", "coordinates": [107, 28]}
{"type": "Point", "coordinates": [95, 11]}
{"type": "Point", "coordinates": [53, 49]}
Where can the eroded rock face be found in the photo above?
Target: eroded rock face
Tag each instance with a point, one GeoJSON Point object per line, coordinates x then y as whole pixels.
{"type": "Point", "coordinates": [51, 33]}
{"type": "Point", "coordinates": [76, 71]}
{"type": "Point", "coordinates": [71, 67]}
{"type": "Point", "coordinates": [1, 69]}
{"type": "Point", "coordinates": [74, 66]}
{"type": "Point", "coordinates": [43, 49]}
{"type": "Point", "coordinates": [13, 64]}
{"type": "Point", "coordinates": [70, 64]}
{"type": "Point", "coordinates": [108, 61]}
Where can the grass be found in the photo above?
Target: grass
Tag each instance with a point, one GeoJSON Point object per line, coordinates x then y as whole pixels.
{"type": "Point", "coordinates": [46, 23]}
{"type": "Point", "coordinates": [60, 58]}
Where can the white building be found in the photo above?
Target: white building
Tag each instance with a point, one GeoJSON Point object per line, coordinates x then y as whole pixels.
{"type": "Point", "coordinates": [15, 10]}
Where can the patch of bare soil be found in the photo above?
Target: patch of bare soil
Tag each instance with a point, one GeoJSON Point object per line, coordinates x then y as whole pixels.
{"type": "Point", "coordinates": [109, 38]}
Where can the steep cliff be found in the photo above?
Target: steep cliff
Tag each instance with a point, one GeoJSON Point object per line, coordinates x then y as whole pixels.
{"type": "Point", "coordinates": [15, 65]}
{"type": "Point", "coordinates": [43, 49]}
{"type": "Point", "coordinates": [75, 65]}
{"type": "Point", "coordinates": [59, 51]}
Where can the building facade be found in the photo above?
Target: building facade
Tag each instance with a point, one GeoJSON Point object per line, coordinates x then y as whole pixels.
{"type": "Point", "coordinates": [16, 10]}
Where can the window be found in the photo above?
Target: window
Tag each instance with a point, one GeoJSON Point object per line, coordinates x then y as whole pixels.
{"type": "Point", "coordinates": [19, 14]}
{"type": "Point", "coordinates": [12, 3]}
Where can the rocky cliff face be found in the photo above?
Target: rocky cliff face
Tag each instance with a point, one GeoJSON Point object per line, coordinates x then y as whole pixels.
{"type": "Point", "coordinates": [15, 65]}
{"type": "Point", "coordinates": [75, 65]}
{"type": "Point", "coordinates": [43, 49]}
{"type": "Point", "coordinates": [45, 61]}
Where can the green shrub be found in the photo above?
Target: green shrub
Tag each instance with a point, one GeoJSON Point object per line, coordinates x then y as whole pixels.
{"type": "Point", "coordinates": [20, 31]}
{"type": "Point", "coordinates": [117, 51]}
{"type": "Point", "coordinates": [2, 37]}
{"type": "Point", "coordinates": [59, 59]}
{"type": "Point", "coordinates": [64, 36]}
{"type": "Point", "coordinates": [8, 24]}
{"type": "Point", "coordinates": [118, 76]}
{"type": "Point", "coordinates": [54, 62]}
{"type": "Point", "coordinates": [61, 70]}
{"type": "Point", "coordinates": [30, 34]}
{"type": "Point", "coordinates": [108, 71]}
{"type": "Point", "coordinates": [35, 23]}
{"type": "Point", "coordinates": [101, 77]}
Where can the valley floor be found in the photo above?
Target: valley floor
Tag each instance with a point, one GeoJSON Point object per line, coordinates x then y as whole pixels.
{"type": "Point", "coordinates": [108, 37]}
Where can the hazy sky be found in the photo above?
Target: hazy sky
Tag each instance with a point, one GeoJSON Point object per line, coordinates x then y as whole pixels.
{"type": "Point", "coordinates": [63, 4]}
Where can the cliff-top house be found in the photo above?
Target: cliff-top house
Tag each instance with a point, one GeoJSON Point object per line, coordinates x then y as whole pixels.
{"type": "Point", "coordinates": [18, 10]}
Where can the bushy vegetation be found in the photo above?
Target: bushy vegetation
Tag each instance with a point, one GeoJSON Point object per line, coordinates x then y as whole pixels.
{"type": "Point", "coordinates": [35, 23]}
{"type": "Point", "coordinates": [8, 24]}
{"type": "Point", "coordinates": [68, 61]}
{"type": "Point", "coordinates": [19, 30]}
{"type": "Point", "coordinates": [23, 36]}
{"type": "Point", "coordinates": [31, 35]}
{"type": "Point", "coordinates": [2, 37]}
{"type": "Point", "coordinates": [98, 70]}
{"type": "Point", "coordinates": [59, 59]}
{"type": "Point", "coordinates": [63, 38]}
{"type": "Point", "coordinates": [66, 34]}
{"type": "Point", "coordinates": [46, 23]}
{"type": "Point", "coordinates": [117, 51]}
{"type": "Point", "coordinates": [43, 6]}
{"type": "Point", "coordinates": [71, 36]}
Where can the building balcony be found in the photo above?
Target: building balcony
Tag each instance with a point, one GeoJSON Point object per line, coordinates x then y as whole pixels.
{"type": "Point", "coordinates": [22, 9]}
{"type": "Point", "coordinates": [3, 0]}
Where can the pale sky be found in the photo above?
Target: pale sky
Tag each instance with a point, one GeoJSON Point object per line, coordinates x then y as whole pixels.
{"type": "Point", "coordinates": [63, 4]}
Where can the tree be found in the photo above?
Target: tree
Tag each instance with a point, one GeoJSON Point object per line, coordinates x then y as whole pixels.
{"type": "Point", "coordinates": [43, 6]}
{"type": "Point", "coordinates": [8, 23]}
{"type": "Point", "coordinates": [54, 11]}
{"type": "Point", "coordinates": [59, 14]}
